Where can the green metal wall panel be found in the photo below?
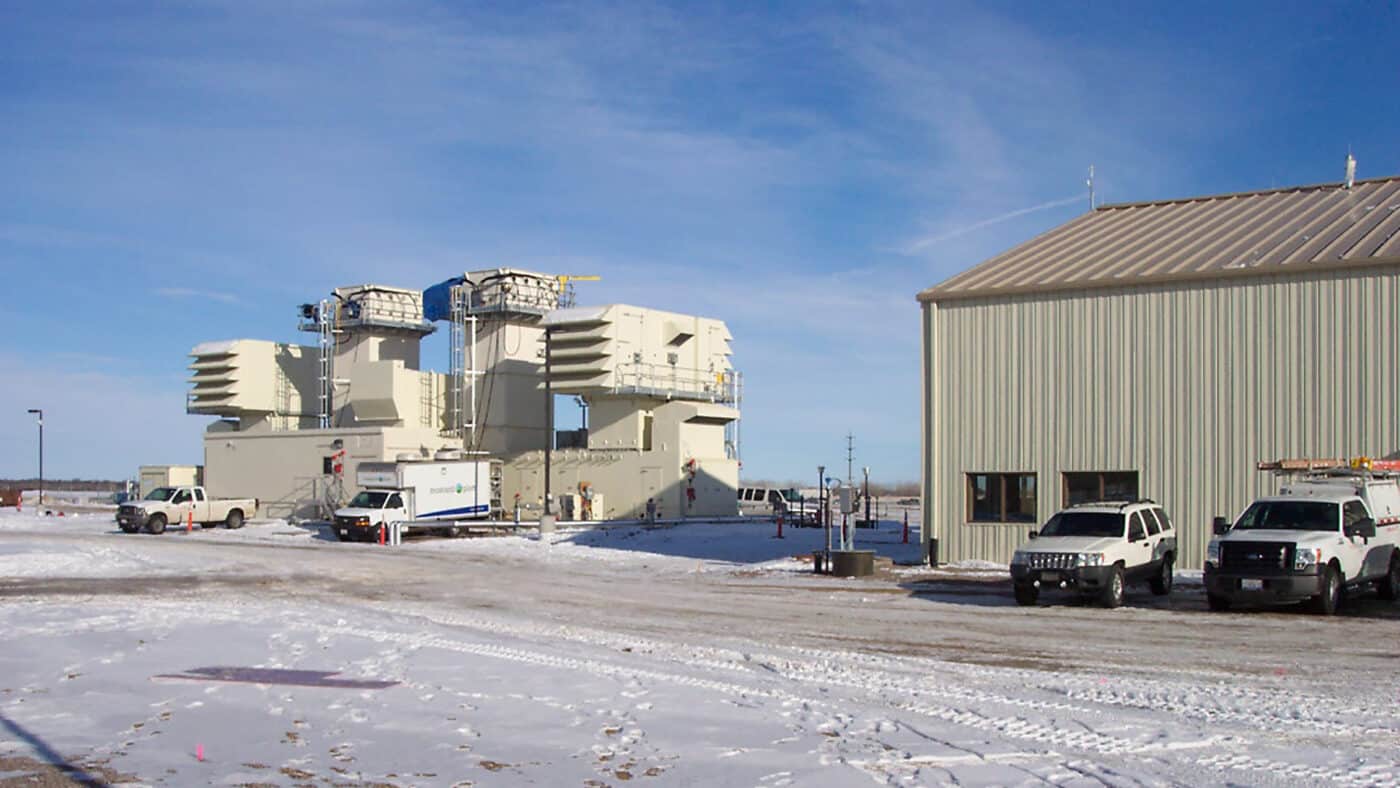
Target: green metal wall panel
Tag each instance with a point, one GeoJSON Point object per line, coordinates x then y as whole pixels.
{"type": "Point", "coordinates": [1188, 384]}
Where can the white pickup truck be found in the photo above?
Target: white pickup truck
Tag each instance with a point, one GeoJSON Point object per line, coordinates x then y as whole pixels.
{"type": "Point", "coordinates": [1320, 537]}
{"type": "Point", "coordinates": [173, 505]}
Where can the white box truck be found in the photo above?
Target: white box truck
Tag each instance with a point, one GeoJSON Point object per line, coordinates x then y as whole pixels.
{"type": "Point", "coordinates": [416, 494]}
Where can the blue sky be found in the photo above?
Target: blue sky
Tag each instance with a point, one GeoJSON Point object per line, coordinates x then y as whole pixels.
{"type": "Point", "coordinates": [182, 172]}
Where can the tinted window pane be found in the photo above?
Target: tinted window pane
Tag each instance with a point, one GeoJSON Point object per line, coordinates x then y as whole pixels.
{"type": "Point", "coordinates": [1020, 498]}
{"type": "Point", "coordinates": [1084, 524]}
{"type": "Point", "coordinates": [1163, 519]}
{"type": "Point", "coordinates": [1120, 486]}
{"type": "Point", "coordinates": [1150, 520]}
{"type": "Point", "coordinates": [984, 504]}
{"type": "Point", "coordinates": [1136, 530]}
{"type": "Point", "coordinates": [1081, 488]}
{"type": "Point", "coordinates": [1289, 516]}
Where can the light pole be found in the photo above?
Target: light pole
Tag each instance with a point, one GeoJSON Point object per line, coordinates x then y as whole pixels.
{"type": "Point", "coordinates": [40, 413]}
{"type": "Point", "coordinates": [547, 516]}
{"type": "Point", "coordinates": [866, 496]}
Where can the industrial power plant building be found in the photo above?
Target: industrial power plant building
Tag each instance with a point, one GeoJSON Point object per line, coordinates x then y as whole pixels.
{"type": "Point", "coordinates": [1160, 350]}
{"type": "Point", "coordinates": [296, 421]}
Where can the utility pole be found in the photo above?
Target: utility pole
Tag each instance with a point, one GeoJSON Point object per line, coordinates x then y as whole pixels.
{"type": "Point", "coordinates": [40, 413]}
{"type": "Point", "coordinates": [821, 512]}
{"type": "Point", "coordinates": [548, 418]}
{"type": "Point", "coordinates": [850, 455]}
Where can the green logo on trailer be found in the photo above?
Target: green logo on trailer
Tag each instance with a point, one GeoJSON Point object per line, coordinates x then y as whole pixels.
{"type": "Point", "coordinates": [459, 489]}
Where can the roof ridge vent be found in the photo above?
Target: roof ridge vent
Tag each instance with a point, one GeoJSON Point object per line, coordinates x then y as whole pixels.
{"type": "Point", "coordinates": [1351, 169]}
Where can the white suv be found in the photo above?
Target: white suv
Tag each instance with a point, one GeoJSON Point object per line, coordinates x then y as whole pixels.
{"type": "Point", "coordinates": [1097, 549]}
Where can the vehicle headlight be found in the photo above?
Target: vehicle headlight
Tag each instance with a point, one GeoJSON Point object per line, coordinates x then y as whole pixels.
{"type": "Point", "coordinates": [1089, 559]}
{"type": "Point", "coordinates": [1213, 552]}
{"type": "Point", "coordinates": [1020, 557]}
{"type": "Point", "coordinates": [1306, 558]}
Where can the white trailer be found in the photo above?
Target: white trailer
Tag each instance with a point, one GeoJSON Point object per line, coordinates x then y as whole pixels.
{"type": "Point", "coordinates": [418, 494]}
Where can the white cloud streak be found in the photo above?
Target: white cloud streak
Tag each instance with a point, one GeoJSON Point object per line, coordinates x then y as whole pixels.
{"type": "Point", "coordinates": [183, 293]}
{"type": "Point", "coordinates": [921, 244]}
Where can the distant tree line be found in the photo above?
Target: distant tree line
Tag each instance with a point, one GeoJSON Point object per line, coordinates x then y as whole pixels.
{"type": "Point", "coordinates": [98, 485]}
{"type": "Point", "coordinates": [878, 489]}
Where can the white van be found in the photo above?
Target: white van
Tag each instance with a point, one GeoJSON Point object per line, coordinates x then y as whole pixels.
{"type": "Point", "coordinates": [767, 501]}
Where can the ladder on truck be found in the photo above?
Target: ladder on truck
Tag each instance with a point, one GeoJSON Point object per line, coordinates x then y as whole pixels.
{"type": "Point", "coordinates": [1332, 466]}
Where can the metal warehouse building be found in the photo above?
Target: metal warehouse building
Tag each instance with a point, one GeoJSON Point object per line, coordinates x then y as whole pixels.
{"type": "Point", "coordinates": [1160, 350]}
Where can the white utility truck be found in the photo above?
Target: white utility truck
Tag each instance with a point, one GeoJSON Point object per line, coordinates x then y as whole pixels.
{"type": "Point", "coordinates": [416, 494]}
{"type": "Point", "coordinates": [175, 505]}
{"type": "Point", "coordinates": [1333, 527]}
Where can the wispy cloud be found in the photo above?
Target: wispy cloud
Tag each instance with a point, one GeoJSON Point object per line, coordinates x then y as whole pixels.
{"type": "Point", "coordinates": [921, 244]}
{"type": "Point", "coordinates": [793, 176]}
{"type": "Point", "coordinates": [191, 293]}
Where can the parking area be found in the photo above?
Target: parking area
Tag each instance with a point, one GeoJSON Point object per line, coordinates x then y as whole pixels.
{"type": "Point", "coordinates": [699, 653]}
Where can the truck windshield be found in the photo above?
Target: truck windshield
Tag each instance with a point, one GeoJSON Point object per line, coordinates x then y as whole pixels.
{"type": "Point", "coordinates": [791, 495]}
{"type": "Point", "coordinates": [1084, 524]}
{"type": "Point", "coordinates": [1289, 516]}
{"type": "Point", "coordinates": [369, 500]}
{"type": "Point", "coordinates": [161, 494]}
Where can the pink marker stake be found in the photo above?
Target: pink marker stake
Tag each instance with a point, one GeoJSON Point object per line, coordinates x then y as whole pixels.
{"type": "Point", "coordinates": [199, 751]}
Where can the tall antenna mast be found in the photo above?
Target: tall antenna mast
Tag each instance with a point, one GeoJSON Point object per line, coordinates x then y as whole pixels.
{"type": "Point", "coordinates": [1090, 184]}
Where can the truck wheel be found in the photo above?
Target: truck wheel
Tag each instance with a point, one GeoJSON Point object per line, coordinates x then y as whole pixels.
{"type": "Point", "coordinates": [1330, 599]}
{"type": "Point", "coordinates": [128, 528]}
{"type": "Point", "coordinates": [1162, 583]}
{"type": "Point", "coordinates": [156, 524]}
{"type": "Point", "coordinates": [1026, 593]}
{"type": "Point", "coordinates": [1389, 586]}
{"type": "Point", "coordinates": [1112, 595]}
{"type": "Point", "coordinates": [1217, 603]}
{"type": "Point", "coordinates": [234, 519]}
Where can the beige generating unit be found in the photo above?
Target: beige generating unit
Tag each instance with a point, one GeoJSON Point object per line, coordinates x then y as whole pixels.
{"type": "Point", "coordinates": [254, 381]}
{"type": "Point", "coordinates": [661, 393]}
{"type": "Point", "coordinates": [295, 421]}
{"type": "Point", "coordinates": [622, 349]}
{"type": "Point", "coordinates": [361, 380]}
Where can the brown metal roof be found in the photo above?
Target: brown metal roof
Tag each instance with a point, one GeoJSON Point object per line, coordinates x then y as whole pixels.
{"type": "Point", "coordinates": [1291, 230]}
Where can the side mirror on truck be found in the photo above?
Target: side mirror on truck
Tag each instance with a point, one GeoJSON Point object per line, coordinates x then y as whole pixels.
{"type": "Point", "coordinates": [1034, 533]}
{"type": "Point", "coordinates": [1365, 528]}
{"type": "Point", "coordinates": [1219, 526]}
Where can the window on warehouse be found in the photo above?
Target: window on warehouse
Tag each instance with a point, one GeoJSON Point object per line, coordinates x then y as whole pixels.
{"type": "Point", "coordinates": [1085, 486]}
{"type": "Point", "coordinates": [1001, 497]}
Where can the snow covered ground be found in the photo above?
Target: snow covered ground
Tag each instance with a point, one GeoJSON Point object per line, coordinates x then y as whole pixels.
{"type": "Point", "coordinates": [702, 654]}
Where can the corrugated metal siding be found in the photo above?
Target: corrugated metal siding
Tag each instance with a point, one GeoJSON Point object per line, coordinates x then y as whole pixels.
{"type": "Point", "coordinates": [1294, 229]}
{"type": "Point", "coordinates": [1190, 385]}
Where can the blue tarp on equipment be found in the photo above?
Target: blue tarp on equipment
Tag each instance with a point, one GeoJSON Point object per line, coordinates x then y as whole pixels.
{"type": "Point", "coordinates": [437, 300]}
